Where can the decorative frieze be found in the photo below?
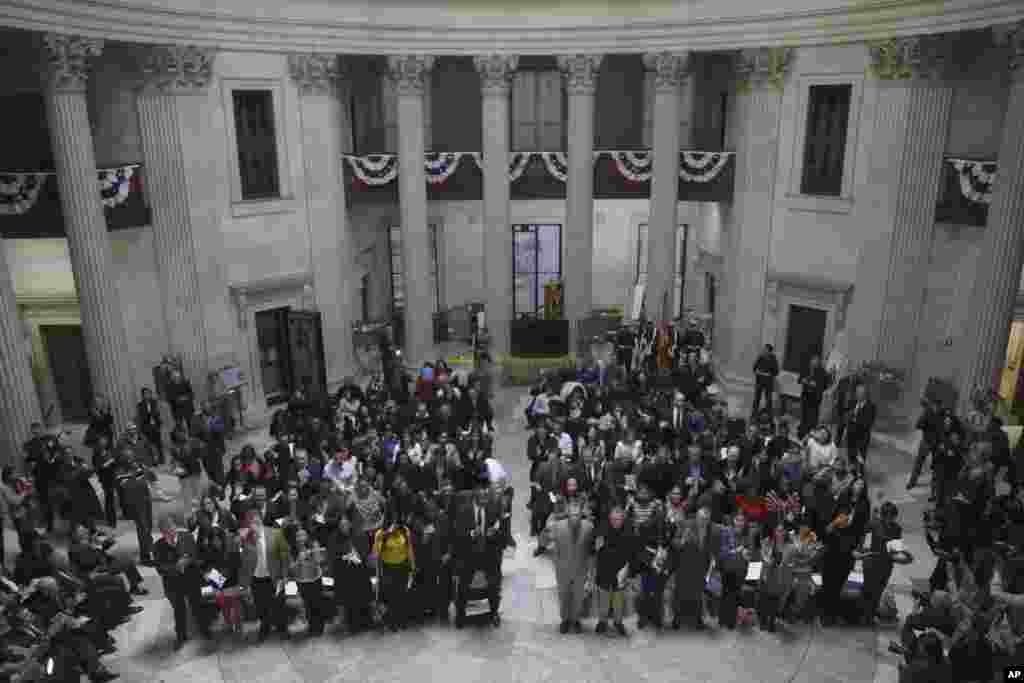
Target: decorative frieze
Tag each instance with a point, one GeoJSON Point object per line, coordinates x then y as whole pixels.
{"type": "Point", "coordinates": [178, 69]}
{"type": "Point", "coordinates": [580, 73]}
{"type": "Point", "coordinates": [67, 60]}
{"type": "Point", "coordinates": [315, 74]}
{"type": "Point", "coordinates": [915, 57]}
{"type": "Point", "coordinates": [670, 69]}
{"type": "Point", "coordinates": [763, 66]}
{"type": "Point", "coordinates": [409, 72]}
{"type": "Point", "coordinates": [496, 73]}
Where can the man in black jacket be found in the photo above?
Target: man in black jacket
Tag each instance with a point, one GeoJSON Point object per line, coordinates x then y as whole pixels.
{"type": "Point", "coordinates": [766, 369]}
{"type": "Point", "coordinates": [147, 415]}
{"type": "Point", "coordinates": [813, 384]}
{"type": "Point", "coordinates": [862, 421]}
{"type": "Point", "coordinates": [177, 561]}
{"type": "Point", "coordinates": [930, 426]}
{"type": "Point", "coordinates": [134, 490]}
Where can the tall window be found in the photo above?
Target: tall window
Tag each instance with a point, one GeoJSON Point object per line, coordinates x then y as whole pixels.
{"type": "Point", "coordinates": [538, 112]}
{"type": "Point", "coordinates": [828, 115]}
{"type": "Point", "coordinates": [256, 138]}
{"type": "Point", "coordinates": [537, 261]}
{"type": "Point", "coordinates": [398, 274]}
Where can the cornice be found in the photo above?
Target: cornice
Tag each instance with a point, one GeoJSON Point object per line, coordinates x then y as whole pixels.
{"type": "Point", "coordinates": [324, 29]}
{"type": "Point", "coordinates": [178, 69]}
{"type": "Point", "coordinates": [68, 60]}
{"type": "Point", "coordinates": [315, 74]}
{"type": "Point", "coordinates": [496, 72]}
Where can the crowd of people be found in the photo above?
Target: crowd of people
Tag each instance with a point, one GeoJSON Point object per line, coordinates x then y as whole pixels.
{"type": "Point", "coordinates": [387, 505]}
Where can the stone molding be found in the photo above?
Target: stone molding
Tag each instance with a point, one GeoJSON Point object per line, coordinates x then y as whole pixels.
{"type": "Point", "coordinates": [315, 74]}
{"type": "Point", "coordinates": [496, 72]}
{"type": "Point", "coordinates": [409, 72]}
{"type": "Point", "coordinates": [347, 28]}
{"type": "Point", "coordinates": [67, 61]}
{"type": "Point", "coordinates": [1012, 36]}
{"type": "Point", "coordinates": [178, 69]}
{"type": "Point", "coordinates": [766, 66]}
{"type": "Point", "coordinates": [670, 69]}
{"type": "Point", "coordinates": [580, 72]}
{"type": "Point", "coordinates": [921, 58]}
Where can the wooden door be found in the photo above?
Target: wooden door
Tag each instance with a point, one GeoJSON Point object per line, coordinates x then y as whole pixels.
{"type": "Point", "coordinates": [65, 349]}
{"type": "Point", "coordinates": [272, 345]}
{"type": "Point", "coordinates": [307, 369]}
{"type": "Point", "coordinates": [805, 337]}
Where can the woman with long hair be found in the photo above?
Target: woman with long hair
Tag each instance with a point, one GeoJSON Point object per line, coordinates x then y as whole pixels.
{"type": "Point", "coordinates": [396, 561]}
{"type": "Point", "coordinates": [306, 569]}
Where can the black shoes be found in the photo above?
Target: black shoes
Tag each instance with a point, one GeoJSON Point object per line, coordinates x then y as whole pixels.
{"type": "Point", "coordinates": [601, 627]}
{"type": "Point", "coordinates": [563, 628]}
{"type": "Point", "coordinates": [577, 627]}
{"type": "Point", "coordinates": [621, 629]}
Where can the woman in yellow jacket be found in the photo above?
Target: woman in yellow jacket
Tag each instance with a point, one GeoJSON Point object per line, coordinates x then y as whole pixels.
{"type": "Point", "coordinates": [393, 547]}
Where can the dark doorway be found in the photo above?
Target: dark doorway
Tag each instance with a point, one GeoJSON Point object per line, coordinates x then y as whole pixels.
{"type": "Point", "coordinates": [364, 297]}
{"type": "Point", "coordinates": [291, 352]}
{"type": "Point", "coordinates": [65, 349]}
{"type": "Point", "coordinates": [805, 337]}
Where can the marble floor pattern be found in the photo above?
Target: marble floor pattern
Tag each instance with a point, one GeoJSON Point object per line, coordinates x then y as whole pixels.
{"type": "Point", "coordinates": [527, 647]}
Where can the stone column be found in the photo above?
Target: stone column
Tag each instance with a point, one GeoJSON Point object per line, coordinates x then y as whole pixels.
{"type": "Point", "coordinates": [917, 191]}
{"type": "Point", "coordinates": [409, 73]}
{"type": "Point", "coordinates": [19, 404]}
{"type": "Point", "coordinates": [495, 85]}
{"type": "Point", "coordinates": [106, 345]}
{"type": "Point", "coordinates": [670, 71]}
{"type": "Point", "coordinates": [332, 263]}
{"type": "Point", "coordinates": [580, 73]}
{"type": "Point", "coordinates": [761, 74]}
{"type": "Point", "coordinates": [1002, 249]}
{"type": "Point", "coordinates": [173, 72]}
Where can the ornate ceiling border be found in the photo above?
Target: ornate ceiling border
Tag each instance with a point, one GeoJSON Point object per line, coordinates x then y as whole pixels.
{"type": "Point", "coordinates": [461, 34]}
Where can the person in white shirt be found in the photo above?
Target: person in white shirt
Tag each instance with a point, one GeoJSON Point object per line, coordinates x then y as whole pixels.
{"type": "Point", "coordinates": [342, 470]}
{"type": "Point", "coordinates": [819, 450]}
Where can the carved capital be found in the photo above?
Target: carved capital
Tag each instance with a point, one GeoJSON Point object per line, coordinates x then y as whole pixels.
{"type": "Point", "coordinates": [496, 73]}
{"type": "Point", "coordinates": [178, 69]}
{"type": "Point", "coordinates": [580, 73]}
{"type": "Point", "coordinates": [1012, 37]}
{"type": "Point", "coordinates": [670, 69]}
{"type": "Point", "coordinates": [409, 72]}
{"type": "Point", "coordinates": [917, 57]}
{"type": "Point", "coordinates": [763, 66]}
{"type": "Point", "coordinates": [67, 60]}
{"type": "Point", "coordinates": [315, 74]}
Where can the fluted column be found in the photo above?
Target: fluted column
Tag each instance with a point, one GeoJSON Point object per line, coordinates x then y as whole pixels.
{"type": "Point", "coordinates": [495, 85]}
{"type": "Point", "coordinates": [321, 118]}
{"type": "Point", "coordinates": [19, 404]}
{"type": "Point", "coordinates": [670, 71]}
{"type": "Point", "coordinates": [409, 73]}
{"type": "Point", "coordinates": [580, 73]}
{"type": "Point", "coordinates": [106, 346]}
{"type": "Point", "coordinates": [1001, 256]}
{"type": "Point", "coordinates": [917, 192]}
{"type": "Point", "coordinates": [173, 72]}
{"type": "Point", "coordinates": [761, 76]}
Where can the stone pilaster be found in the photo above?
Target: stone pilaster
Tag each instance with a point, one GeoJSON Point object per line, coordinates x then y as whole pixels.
{"type": "Point", "coordinates": [670, 72]}
{"type": "Point", "coordinates": [19, 404]}
{"type": "Point", "coordinates": [580, 72]}
{"type": "Point", "coordinates": [332, 263]}
{"type": "Point", "coordinates": [173, 72]}
{"type": "Point", "coordinates": [496, 73]}
{"type": "Point", "coordinates": [761, 78]}
{"type": "Point", "coordinates": [1002, 249]}
{"type": "Point", "coordinates": [106, 345]}
{"type": "Point", "coordinates": [409, 73]}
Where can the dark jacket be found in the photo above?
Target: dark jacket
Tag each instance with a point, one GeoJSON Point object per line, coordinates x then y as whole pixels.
{"type": "Point", "coordinates": [616, 549]}
{"type": "Point", "coordinates": [766, 368]}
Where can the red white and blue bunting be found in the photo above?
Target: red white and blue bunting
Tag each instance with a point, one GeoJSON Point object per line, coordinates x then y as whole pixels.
{"type": "Point", "coordinates": [441, 165]}
{"type": "Point", "coordinates": [557, 165]}
{"type": "Point", "coordinates": [19, 192]}
{"type": "Point", "coordinates": [636, 167]}
{"type": "Point", "coordinates": [702, 167]}
{"type": "Point", "coordinates": [374, 169]}
{"type": "Point", "coordinates": [976, 179]}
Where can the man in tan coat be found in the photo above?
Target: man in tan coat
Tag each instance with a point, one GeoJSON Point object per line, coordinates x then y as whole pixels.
{"type": "Point", "coordinates": [572, 542]}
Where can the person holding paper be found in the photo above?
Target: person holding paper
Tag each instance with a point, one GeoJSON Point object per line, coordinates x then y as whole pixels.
{"type": "Point", "coordinates": [349, 550]}
{"type": "Point", "coordinates": [177, 562]}
{"type": "Point", "coordinates": [264, 565]}
{"type": "Point", "coordinates": [692, 548]}
{"type": "Point", "coordinates": [884, 549]}
{"type": "Point", "coordinates": [218, 557]}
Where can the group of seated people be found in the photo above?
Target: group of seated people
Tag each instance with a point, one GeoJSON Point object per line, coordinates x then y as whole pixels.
{"type": "Point", "coordinates": [367, 509]}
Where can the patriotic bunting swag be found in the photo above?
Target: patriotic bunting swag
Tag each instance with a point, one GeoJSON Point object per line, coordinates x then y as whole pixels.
{"type": "Point", "coordinates": [19, 192]}
{"type": "Point", "coordinates": [441, 165]}
{"type": "Point", "coordinates": [374, 169]}
{"type": "Point", "coordinates": [976, 178]}
{"type": "Point", "coordinates": [556, 165]}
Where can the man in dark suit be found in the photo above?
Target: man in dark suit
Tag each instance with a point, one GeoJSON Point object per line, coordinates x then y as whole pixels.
{"type": "Point", "coordinates": [766, 369]}
{"type": "Point", "coordinates": [537, 447]}
{"type": "Point", "coordinates": [177, 562]}
{"type": "Point", "coordinates": [813, 384]}
{"type": "Point", "coordinates": [861, 422]}
{"type": "Point", "coordinates": [41, 461]}
{"type": "Point", "coordinates": [147, 415]}
{"type": "Point", "coordinates": [478, 542]}
{"type": "Point", "coordinates": [133, 487]}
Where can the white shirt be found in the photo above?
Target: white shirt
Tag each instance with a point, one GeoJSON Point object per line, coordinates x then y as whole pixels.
{"type": "Point", "coordinates": [495, 471]}
{"type": "Point", "coordinates": [565, 443]}
{"type": "Point", "coordinates": [819, 456]}
{"type": "Point", "coordinates": [262, 570]}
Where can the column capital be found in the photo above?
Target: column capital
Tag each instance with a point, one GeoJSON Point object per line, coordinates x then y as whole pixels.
{"type": "Point", "coordinates": [764, 66]}
{"type": "Point", "coordinates": [496, 73]}
{"type": "Point", "coordinates": [1012, 36]}
{"type": "Point", "coordinates": [315, 74]}
{"type": "Point", "coordinates": [921, 58]}
{"type": "Point", "coordinates": [178, 69]}
{"type": "Point", "coordinates": [67, 60]}
{"type": "Point", "coordinates": [670, 69]}
{"type": "Point", "coordinates": [409, 72]}
{"type": "Point", "coordinates": [580, 72]}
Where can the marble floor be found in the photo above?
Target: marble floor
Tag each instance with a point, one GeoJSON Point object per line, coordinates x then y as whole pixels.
{"type": "Point", "coordinates": [527, 647]}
